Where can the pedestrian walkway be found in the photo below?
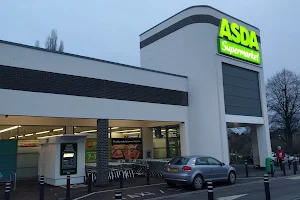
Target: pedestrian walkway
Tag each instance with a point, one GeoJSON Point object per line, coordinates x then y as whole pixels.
{"type": "Point", "coordinates": [259, 172]}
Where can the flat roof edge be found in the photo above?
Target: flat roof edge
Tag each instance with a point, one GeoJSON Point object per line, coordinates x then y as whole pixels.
{"type": "Point", "coordinates": [203, 6]}
{"type": "Point", "coordinates": [89, 58]}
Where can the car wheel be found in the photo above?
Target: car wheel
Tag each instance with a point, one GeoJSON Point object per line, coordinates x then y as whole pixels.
{"type": "Point", "coordinates": [170, 184]}
{"type": "Point", "coordinates": [198, 183]}
{"type": "Point", "coordinates": [231, 177]}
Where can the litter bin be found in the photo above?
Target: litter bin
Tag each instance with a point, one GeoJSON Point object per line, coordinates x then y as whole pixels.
{"type": "Point", "coordinates": [269, 162]}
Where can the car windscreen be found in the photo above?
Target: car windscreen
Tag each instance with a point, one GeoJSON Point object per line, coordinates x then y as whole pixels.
{"type": "Point", "coordinates": [179, 161]}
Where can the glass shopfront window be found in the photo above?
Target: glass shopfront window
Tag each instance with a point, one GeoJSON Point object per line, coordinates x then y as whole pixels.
{"type": "Point", "coordinates": [113, 132]}
{"type": "Point", "coordinates": [27, 146]}
{"type": "Point", "coordinates": [166, 142]}
{"type": "Point", "coordinates": [123, 132]}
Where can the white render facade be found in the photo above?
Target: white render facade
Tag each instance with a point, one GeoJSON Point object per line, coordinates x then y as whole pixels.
{"type": "Point", "coordinates": [181, 80]}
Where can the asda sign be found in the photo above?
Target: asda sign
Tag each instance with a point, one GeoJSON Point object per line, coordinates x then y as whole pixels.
{"type": "Point", "coordinates": [238, 42]}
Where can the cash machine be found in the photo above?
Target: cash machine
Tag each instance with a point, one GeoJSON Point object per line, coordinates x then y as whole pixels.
{"type": "Point", "coordinates": [60, 156]}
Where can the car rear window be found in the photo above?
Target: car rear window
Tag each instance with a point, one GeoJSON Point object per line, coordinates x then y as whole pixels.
{"type": "Point", "coordinates": [179, 161]}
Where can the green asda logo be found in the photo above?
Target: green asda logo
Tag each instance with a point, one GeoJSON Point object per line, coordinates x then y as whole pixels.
{"type": "Point", "coordinates": [239, 43]}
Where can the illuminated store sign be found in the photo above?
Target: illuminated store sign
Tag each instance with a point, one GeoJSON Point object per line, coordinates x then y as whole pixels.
{"type": "Point", "coordinates": [238, 42]}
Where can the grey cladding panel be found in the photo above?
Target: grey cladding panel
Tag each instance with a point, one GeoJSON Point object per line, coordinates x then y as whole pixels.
{"type": "Point", "coordinates": [246, 111]}
{"type": "Point", "coordinates": [241, 82]}
{"type": "Point", "coordinates": [242, 102]}
{"type": "Point", "coordinates": [241, 91]}
{"type": "Point", "coordinates": [14, 78]}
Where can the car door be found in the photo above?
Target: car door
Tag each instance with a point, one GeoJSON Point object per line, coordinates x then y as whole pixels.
{"type": "Point", "coordinates": [218, 170]}
{"type": "Point", "coordinates": [202, 166]}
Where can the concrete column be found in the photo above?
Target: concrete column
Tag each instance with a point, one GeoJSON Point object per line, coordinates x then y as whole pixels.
{"type": "Point", "coordinates": [264, 143]}
{"type": "Point", "coordinates": [254, 142]}
{"type": "Point", "coordinates": [184, 139]}
{"type": "Point", "coordinates": [69, 130]}
{"type": "Point", "coordinates": [147, 136]}
{"type": "Point", "coordinates": [102, 152]}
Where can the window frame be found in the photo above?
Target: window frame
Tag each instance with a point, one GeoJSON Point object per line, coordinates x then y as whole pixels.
{"type": "Point", "coordinates": [219, 163]}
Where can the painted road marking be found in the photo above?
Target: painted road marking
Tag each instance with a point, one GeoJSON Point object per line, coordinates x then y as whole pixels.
{"type": "Point", "coordinates": [232, 197]}
{"type": "Point", "coordinates": [137, 195]}
{"type": "Point", "coordinates": [162, 191]}
{"type": "Point", "coordinates": [293, 178]}
{"type": "Point", "coordinates": [114, 190]}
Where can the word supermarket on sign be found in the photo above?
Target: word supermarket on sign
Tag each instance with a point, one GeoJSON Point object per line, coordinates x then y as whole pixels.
{"type": "Point", "coordinates": [237, 41]}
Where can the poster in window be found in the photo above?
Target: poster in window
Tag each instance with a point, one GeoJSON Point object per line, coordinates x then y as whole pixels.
{"type": "Point", "coordinates": [126, 148]}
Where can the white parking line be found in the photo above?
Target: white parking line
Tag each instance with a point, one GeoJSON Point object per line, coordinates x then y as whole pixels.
{"type": "Point", "coordinates": [293, 178]}
{"type": "Point", "coordinates": [113, 190]}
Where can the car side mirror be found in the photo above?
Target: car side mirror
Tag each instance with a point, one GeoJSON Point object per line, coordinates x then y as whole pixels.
{"type": "Point", "coordinates": [222, 164]}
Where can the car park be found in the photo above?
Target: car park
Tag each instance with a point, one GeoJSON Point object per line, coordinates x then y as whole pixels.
{"type": "Point", "coordinates": [195, 171]}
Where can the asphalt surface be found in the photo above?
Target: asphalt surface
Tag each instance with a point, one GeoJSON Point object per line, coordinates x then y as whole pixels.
{"type": "Point", "coordinates": [137, 188]}
{"type": "Point", "coordinates": [286, 188]}
{"type": "Point", "coordinates": [152, 191]}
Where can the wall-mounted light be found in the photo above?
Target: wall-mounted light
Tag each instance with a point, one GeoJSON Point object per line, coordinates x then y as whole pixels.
{"type": "Point", "coordinates": [90, 131]}
{"type": "Point", "coordinates": [126, 131]}
{"type": "Point", "coordinates": [9, 129]}
{"type": "Point", "coordinates": [38, 133]}
{"type": "Point", "coordinates": [59, 129]}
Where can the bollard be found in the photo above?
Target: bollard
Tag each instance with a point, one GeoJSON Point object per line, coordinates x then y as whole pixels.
{"type": "Point", "coordinates": [294, 166]}
{"type": "Point", "coordinates": [90, 182]}
{"type": "Point", "coordinates": [118, 195]}
{"type": "Point", "coordinates": [7, 191]}
{"type": "Point", "coordinates": [42, 189]}
{"type": "Point", "coordinates": [148, 174]}
{"type": "Point", "coordinates": [121, 179]}
{"type": "Point", "coordinates": [89, 172]}
{"type": "Point", "coordinates": [283, 168]}
{"type": "Point", "coordinates": [267, 187]}
{"type": "Point", "coordinates": [68, 195]}
{"type": "Point", "coordinates": [272, 168]}
{"type": "Point", "coordinates": [210, 190]}
{"type": "Point", "coordinates": [246, 168]}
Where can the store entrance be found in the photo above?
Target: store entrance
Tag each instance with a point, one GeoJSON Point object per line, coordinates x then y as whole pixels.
{"type": "Point", "coordinates": [166, 142]}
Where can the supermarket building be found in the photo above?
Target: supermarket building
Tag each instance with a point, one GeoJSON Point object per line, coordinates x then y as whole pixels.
{"type": "Point", "coordinates": [201, 73]}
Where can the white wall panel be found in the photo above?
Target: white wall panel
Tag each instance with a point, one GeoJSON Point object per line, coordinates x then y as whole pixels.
{"type": "Point", "coordinates": [30, 58]}
{"type": "Point", "coordinates": [52, 105]}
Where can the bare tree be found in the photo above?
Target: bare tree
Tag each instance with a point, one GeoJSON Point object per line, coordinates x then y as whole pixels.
{"type": "Point", "coordinates": [37, 43]}
{"type": "Point", "coordinates": [283, 99]}
{"type": "Point", "coordinates": [51, 42]}
{"type": "Point", "coordinates": [61, 46]}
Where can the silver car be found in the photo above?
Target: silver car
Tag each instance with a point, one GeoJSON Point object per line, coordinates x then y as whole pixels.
{"type": "Point", "coordinates": [196, 170]}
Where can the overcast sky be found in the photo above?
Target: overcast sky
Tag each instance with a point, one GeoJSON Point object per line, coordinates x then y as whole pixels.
{"type": "Point", "coordinates": [109, 29]}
